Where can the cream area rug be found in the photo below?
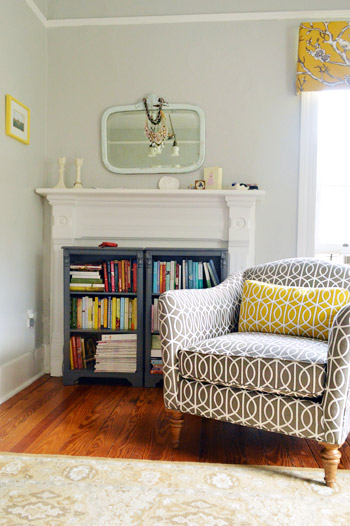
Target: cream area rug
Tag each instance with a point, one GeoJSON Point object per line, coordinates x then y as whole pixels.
{"type": "Point", "coordinates": [63, 491]}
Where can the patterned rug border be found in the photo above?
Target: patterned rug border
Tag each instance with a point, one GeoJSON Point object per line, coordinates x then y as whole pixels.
{"type": "Point", "coordinates": [178, 462]}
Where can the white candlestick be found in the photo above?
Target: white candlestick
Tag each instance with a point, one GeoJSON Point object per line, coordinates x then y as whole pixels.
{"type": "Point", "coordinates": [78, 164]}
{"type": "Point", "coordinates": [62, 164]}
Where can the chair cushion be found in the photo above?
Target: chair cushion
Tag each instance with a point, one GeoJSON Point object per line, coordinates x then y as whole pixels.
{"type": "Point", "coordinates": [272, 363]}
{"type": "Point", "coordinates": [301, 311]}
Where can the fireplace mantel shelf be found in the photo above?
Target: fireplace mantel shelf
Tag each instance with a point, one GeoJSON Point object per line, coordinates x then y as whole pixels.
{"type": "Point", "coordinates": [146, 192]}
{"type": "Point", "coordinates": [145, 218]}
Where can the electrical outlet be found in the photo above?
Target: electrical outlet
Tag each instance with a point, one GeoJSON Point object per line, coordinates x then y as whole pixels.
{"type": "Point", "coordinates": [30, 319]}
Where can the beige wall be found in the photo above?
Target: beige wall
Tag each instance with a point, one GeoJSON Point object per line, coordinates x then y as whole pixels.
{"type": "Point", "coordinates": [23, 75]}
{"type": "Point", "coordinates": [241, 73]}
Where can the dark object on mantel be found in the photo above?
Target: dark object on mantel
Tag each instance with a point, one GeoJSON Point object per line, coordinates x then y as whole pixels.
{"type": "Point", "coordinates": [253, 187]}
{"type": "Point", "coordinates": [106, 244]}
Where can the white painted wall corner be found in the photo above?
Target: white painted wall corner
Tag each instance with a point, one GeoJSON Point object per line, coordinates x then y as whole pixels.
{"type": "Point", "coordinates": [21, 372]}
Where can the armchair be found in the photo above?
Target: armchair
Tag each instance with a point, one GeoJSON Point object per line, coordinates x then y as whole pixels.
{"type": "Point", "coordinates": [287, 384]}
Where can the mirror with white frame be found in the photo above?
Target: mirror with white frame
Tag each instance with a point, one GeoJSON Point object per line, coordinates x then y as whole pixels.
{"type": "Point", "coordinates": [133, 141]}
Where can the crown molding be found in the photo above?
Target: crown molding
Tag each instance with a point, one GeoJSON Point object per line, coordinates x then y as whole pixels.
{"type": "Point", "coordinates": [195, 18]}
{"type": "Point", "coordinates": [37, 12]}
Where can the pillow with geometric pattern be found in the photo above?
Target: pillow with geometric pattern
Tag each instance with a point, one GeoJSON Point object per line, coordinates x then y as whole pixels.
{"type": "Point", "coordinates": [300, 311]}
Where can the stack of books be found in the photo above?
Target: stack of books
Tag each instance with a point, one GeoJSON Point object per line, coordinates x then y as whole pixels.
{"type": "Point", "coordinates": [156, 355]}
{"type": "Point", "coordinates": [171, 275]}
{"type": "Point", "coordinates": [103, 313]}
{"type": "Point", "coordinates": [154, 316]}
{"type": "Point", "coordinates": [86, 278]}
{"type": "Point", "coordinates": [82, 352]}
{"type": "Point", "coordinates": [116, 353]}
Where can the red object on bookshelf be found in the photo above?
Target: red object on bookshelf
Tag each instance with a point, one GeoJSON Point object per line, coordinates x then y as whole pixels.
{"type": "Point", "coordinates": [107, 244]}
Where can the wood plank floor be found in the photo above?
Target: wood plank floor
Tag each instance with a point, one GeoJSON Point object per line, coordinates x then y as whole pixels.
{"type": "Point", "coordinates": [125, 422]}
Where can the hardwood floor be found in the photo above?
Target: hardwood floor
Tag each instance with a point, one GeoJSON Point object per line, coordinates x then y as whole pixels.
{"type": "Point", "coordinates": [119, 421]}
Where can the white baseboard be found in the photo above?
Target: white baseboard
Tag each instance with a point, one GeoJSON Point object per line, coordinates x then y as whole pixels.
{"type": "Point", "coordinates": [21, 372]}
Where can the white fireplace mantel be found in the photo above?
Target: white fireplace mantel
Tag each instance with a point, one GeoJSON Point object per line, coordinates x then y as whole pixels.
{"type": "Point", "coordinates": [145, 218]}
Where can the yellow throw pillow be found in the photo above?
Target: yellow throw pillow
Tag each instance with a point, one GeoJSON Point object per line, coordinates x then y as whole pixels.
{"type": "Point", "coordinates": [301, 311]}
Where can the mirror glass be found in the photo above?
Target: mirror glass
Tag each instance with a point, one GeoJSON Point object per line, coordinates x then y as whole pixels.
{"type": "Point", "coordinates": [127, 149]}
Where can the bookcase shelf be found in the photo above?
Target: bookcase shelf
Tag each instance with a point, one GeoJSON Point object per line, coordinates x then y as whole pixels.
{"type": "Point", "coordinates": [99, 256]}
{"type": "Point", "coordinates": [105, 294]}
{"type": "Point", "coordinates": [219, 259]}
{"type": "Point", "coordinates": [145, 259]}
{"type": "Point", "coordinates": [103, 331]}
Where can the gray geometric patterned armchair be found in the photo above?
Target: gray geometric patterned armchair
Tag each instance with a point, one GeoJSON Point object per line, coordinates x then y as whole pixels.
{"type": "Point", "coordinates": [287, 384]}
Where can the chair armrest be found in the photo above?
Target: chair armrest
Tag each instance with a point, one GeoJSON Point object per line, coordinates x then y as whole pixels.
{"type": "Point", "coordinates": [190, 316]}
{"type": "Point", "coordinates": [336, 400]}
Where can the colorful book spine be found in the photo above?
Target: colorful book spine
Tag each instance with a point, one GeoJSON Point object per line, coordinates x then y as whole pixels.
{"type": "Point", "coordinates": [155, 288]}
{"type": "Point", "coordinates": [112, 276]}
{"type": "Point", "coordinates": [134, 282]}
{"type": "Point", "coordinates": [122, 312]}
{"type": "Point", "coordinates": [105, 276]}
{"type": "Point", "coordinates": [117, 326]}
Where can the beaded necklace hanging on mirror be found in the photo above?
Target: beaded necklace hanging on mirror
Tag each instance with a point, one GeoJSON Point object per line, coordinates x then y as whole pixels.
{"type": "Point", "coordinates": [155, 128]}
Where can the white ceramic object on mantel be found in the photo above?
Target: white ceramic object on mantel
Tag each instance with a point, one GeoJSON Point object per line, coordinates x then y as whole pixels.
{"type": "Point", "coordinates": [168, 183]}
{"type": "Point", "coordinates": [78, 165]}
{"type": "Point", "coordinates": [240, 187]}
{"type": "Point", "coordinates": [61, 164]}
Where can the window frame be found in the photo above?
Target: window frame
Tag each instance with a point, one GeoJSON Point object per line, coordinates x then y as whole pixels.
{"type": "Point", "coordinates": [307, 175]}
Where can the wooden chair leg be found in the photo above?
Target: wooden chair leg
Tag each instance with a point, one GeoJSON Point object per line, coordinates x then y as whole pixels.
{"type": "Point", "coordinates": [176, 419]}
{"type": "Point", "coordinates": [330, 455]}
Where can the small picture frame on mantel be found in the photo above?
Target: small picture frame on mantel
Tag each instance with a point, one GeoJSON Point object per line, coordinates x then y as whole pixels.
{"type": "Point", "coordinates": [213, 178]}
{"type": "Point", "coordinates": [199, 184]}
{"type": "Point", "coordinates": [17, 123]}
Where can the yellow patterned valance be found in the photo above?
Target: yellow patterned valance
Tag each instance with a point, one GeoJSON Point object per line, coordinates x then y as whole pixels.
{"type": "Point", "coordinates": [323, 56]}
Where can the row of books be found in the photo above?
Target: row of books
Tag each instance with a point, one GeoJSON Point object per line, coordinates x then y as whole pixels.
{"type": "Point", "coordinates": [154, 316]}
{"type": "Point", "coordinates": [116, 353]}
{"type": "Point", "coordinates": [171, 275]}
{"type": "Point", "coordinates": [110, 276]}
{"type": "Point", "coordinates": [81, 352]}
{"type": "Point", "coordinates": [103, 313]}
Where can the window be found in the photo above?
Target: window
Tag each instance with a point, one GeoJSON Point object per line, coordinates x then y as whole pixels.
{"type": "Point", "coordinates": [332, 225]}
{"type": "Point", "coordinates": [324, 184]}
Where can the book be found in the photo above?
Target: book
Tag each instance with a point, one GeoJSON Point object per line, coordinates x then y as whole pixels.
{"type": "Point", "coordinates": [86, 280]}
{"type": "Point", "coordinates": [200, 275]}
{"type": "Point", "coordinates": [211, 273]}
{"type": "Point", "coordinates": [87, 267]}
{"type": "Point", "coordinates": [190, 274]}
{"type": "Point", "coordinates": [155, 341]}
{"type": "Point", "coordinates": [71, 358]}
{"type": "Point", "coordinates": [118, 337]}
{"type": "Point", "coordinates": [85, 287]}
{"type": "Point", "coordinates": [134, 281]}
{"type": "Point", "coordinates": [206, 273]}
{"type": "Point", "coordinates": [112, 276]}
{"type": "Point", "coordinates": [122, 312]}
{"type": "Point", "coordinates": [105, 276]}
{"type": "Point", "coordinates": [78, 274]}
{"type": "Point", "coordinates": [216, 280]}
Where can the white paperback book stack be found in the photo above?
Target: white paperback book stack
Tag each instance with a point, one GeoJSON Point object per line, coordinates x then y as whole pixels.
{"type": "Point", "coordinates": [116, 353]}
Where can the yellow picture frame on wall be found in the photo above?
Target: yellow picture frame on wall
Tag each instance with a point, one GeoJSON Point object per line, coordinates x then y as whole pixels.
{"type": "Point", "coordinates": [17, 123]}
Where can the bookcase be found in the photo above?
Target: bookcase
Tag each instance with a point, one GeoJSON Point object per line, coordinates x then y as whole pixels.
{"type": "Point", "coordinates": [103, 307]}
{"type": "Point", "coordinates": [168, 269]}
